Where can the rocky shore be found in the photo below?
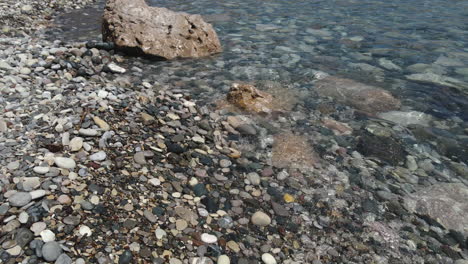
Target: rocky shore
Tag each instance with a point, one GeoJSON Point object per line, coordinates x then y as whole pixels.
{"type": "Point", "coordinates": [99, 168]}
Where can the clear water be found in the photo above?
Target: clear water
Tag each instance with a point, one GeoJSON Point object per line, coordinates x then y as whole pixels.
{"type": "Point", "coordinates": [285, 40]}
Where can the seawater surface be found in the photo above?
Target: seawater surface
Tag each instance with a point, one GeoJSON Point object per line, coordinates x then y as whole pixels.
{"type": "Point", "coordinates": [376, 42]}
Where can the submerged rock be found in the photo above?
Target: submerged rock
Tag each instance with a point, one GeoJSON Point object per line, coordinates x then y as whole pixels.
{"type": "Point", "coordinates": [445, 203]}
{"type": "Point", "coordinates": [358, 95]}
{"type": "Point", "coordinates": [247, 97]}
{"type": "Point", "coordinates": [407, 118]}
{"type": "Point", "coordinates": [434, 78]}
{"type": "Point", "coordinates": [134, 26]}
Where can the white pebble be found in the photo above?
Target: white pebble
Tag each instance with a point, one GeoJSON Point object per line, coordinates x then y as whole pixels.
{"type": "Point", "coordinates": [85, 231]}
{"type": "Point", "coordinates": [47, 236]}
{"type": "Point", "coordinates": [268, 258]}
{"type": "Point", "coordinates": [208, 238]}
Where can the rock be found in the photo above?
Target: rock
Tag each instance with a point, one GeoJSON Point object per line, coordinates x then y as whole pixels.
{"type": "Point", "coordinates": [85, 231]}
{"type": "Point", "coordinates": [337, 127]}
{"type": "Point", "coordinates": [31, 183]}
{"type": "Point", "coordinates": [37, 194]}
{"type": "Point", "coordinates": [267, 258]}
{"type": "Point", "coordinates": [113, 68]}
{"type": "Point", "coordinates": [5, 66]}
{"type": "Point", "coordinates": [23, 217]}
{"type": "Point", "coordinates": [98, 156]}
{"type": "Point", "coordinates": [260, 219]}
{"type": "Point", "coordinates": [26, 8]}
{"type": "Point", "coordinates": [389, 65]}
{"type": "Point", "coordinates": [431, 77]}
{"type": "Point", "coordinates": [134, 26]}
{"type": "Point", "coordinates": [76, 143]}
{"type": "Point", "coordinates": [20, 199]}
{"type": "Point", "coordinates": [126, 257]}
{"type": "Point", "coordinates": [64, 199]}
{"type": "Point", "coordinates": [63, 259]}
{"type": "Point", "coordinates": [47, 235]}
{"type": "Point", "coordinates": [385, 148]}
{"type": "Point", "coordinates": [51, 251]}
{"type": "Point", "coordinates": [293, 151]}
{"type": "Point", "coordinates": [65, 163]}
{"type": "Point", "coordinates": [208, 238]}
{"type": "Point", "coordinates": [443, 202]}
{"type": "Point", "coordinates": [407, 118]}
{"type": "Point", "coordinates": [223, 259]}
{"type": "Point", "coordinates": [181, 224]}
{"type": "Point", "coordinates": [249, 98]}
{"type": "Point", "coordinates": [88, 132]}
{"type": "Point", "coordinates": [363, 97]}
{"type": "Point", "coordinates": [41, 170]}
{"type": "Point", "coordinates": [147, 119]}
{"type": "Point", "coordinates": [101, 123]}
{"type": "Point", "coordinates": [254, 178]}
{"type": "Point", "coordinates": [139, 158]}
{"type": "Point", "coordinates": [14, 251]}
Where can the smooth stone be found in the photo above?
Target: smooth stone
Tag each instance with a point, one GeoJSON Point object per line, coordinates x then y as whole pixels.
{"type": "Point", "coordinates": [64, 259]}
{"type": "Point", "coordinates": [14, 251]}
{"type": "Point", "coordinates": [64, 199]}
{"type": "Point", "coordinates": [254, 178]}
{"type": "Point", "coordinates": [126, 257]}
{"type": "Point", "coordinates": [208, 238]}
{"type": "Point", "coordinates": [267, 258]}
{"type": "Point", "coordinates": [23, 217]}
{"type": "Point", "coordinates": [51, 251]}
{"type": "Point", "coordinates": [37, 194]}
{"type": "Point", "coordinates": [88, 132]}
{"type": "Point", "coordinates": [98, 156]}
{"type": "Point", "coordinates": [101, 123]}
{"type": "Point", "coordinates": [23, 237]}
{"type": "Point", "coordinates": [154, 182]}
{"type": "Point", "coordinates": [31, 183]}
{"type": "Point", "coordinates": [65, 163]}
{"type": "Point", "coordinates": [41, 170]}
{"type": "Point", "coordinates": [25, 71]}
{"type": "Point", "coordinates": [139, 158]}
{"type": "Point", "coordinates": [114, 68]}
{"type": "Point", "coordinates": [407, 118]}
{"type": "Point", "coordinates": [223, 259]}
{"type": "Point", "coordinates": [47, 236]}
{"type": "Point", "coordinates": [160, 233]}
{"type": "Point", "coordinates": [38, 227]}
{"type": "Point", "coordinates": [260, 219]}
{"type": "Point", "coordinates": [181, 224]}
{"type": "Point", "coordinates": [76, 143]}
{"type": "Point", "coordinates": [20, 199]}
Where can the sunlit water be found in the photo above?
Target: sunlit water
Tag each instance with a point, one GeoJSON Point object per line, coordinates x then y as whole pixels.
{"type": "Point", "coordinates": [285, 40]}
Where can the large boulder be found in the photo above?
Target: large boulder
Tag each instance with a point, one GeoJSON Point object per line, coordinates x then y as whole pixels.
{"type": "Point", "coordinates": [138, 28]}
{"type": "Point", "coordinates": [445, 203]}
{"type": "Point", "coordinates": [361, 96]}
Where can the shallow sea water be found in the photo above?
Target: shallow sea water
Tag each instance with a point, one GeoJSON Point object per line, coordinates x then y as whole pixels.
{"type": "Point", "coordinates": [284, 40]}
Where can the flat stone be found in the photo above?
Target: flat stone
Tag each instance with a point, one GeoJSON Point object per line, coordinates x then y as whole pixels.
{"type": "Point", "coordinates": [208, 238]}
{"type": "Point", "coordinates": [444, 203]}
{"type": "Point", "coordinates": [51, 251]}
{"type": "Point", "coordinates": [267, 258]}
{"type": "Point", "coordinates": [14, 251]}
{"type": "Point", "coordinates": [181, 224]}
{"type": "Point", "coordinates": [101, 123]}
{"type": "Point", "coordinates": [38, 227]}
{"type": "Point", "coordinates": [98, 156]}
{"type": "Point", "coordinates": [76, 143]}
{"type": "Point", "coordinates": [64, 199]}
{"type": "Point", "coordinates": [85, 231]}
{"type": "Point", "coordinates": [223, 259]}
{"type": "Point", "coordinates": [23, 217]}
{"type": "Point", "coordinates": [20, 199]}
{"type": "Point", "coordinates": [89, 132]}
{"type": "Point", "coordinates": [37, 194]}
{"type": "Point", "coordinates": [47, 235]}
{"type": "Point", "coordinates": [261, 219]}
{"type": "Point", "coordinates": [64, 259]}
{"type": "Point", "coordinates": [114, 68]}
{"type": "Point", "coordinates": [41, 170]}
{"type": "Point", "coordinates": [65, 163]}
{"type": "Point", "coordinates": [31, 183]}
{"type": "Point", "coordinates": [139, 158]}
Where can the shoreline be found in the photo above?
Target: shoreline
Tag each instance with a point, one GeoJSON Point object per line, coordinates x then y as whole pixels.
{"type": "Point", "coordinates": [96, 169]}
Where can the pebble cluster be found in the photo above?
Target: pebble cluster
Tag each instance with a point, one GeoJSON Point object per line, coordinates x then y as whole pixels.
{"type": "Point", "coordinates": [100, 165]}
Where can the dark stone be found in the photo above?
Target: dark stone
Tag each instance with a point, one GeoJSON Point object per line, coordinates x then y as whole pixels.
{"type": "Point", "coordinates": [200, 190]}
{"type": "Point", "coordinates": [211, 205]}
{"type": "Point", "coordinates": [175, 148]}
{"type": "Point", "coordinates": [126, 257]}
{"type": "Point", "coordinates": [158, 211]}
{"type": "Point", "coordinates": [100, 45]}
{"type": "Point", "coordinates": [23, 237]}
{"type": "Point", "coordinates": [384, 148]}
{"type": "Point", "coordinates": [370, 206]}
